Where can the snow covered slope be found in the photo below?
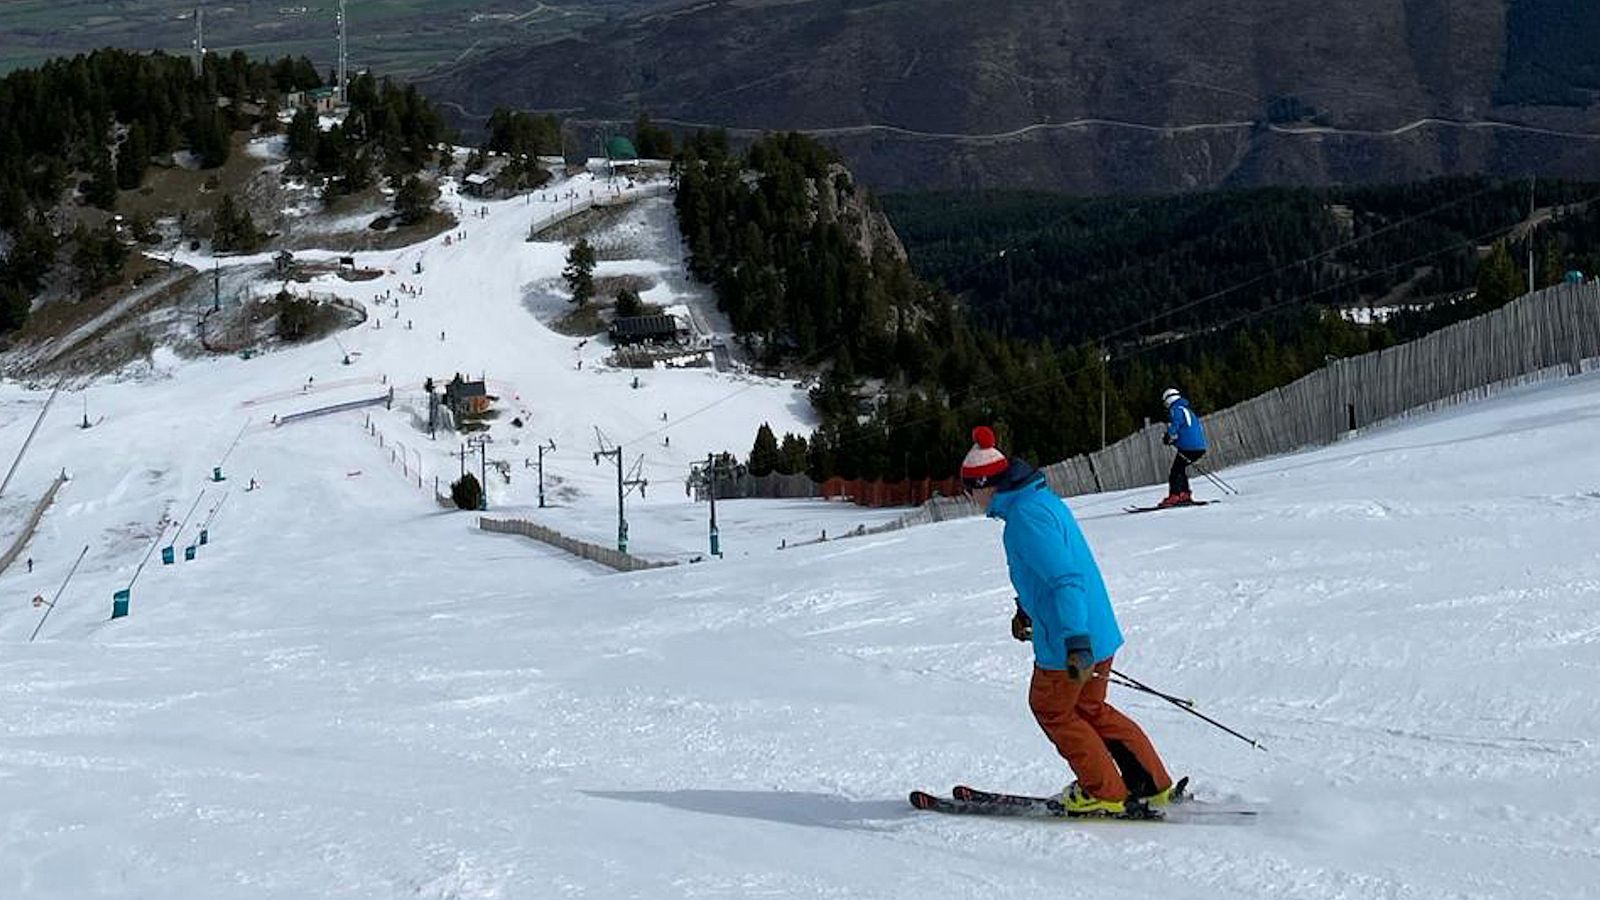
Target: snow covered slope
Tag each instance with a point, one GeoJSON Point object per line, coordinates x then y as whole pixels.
{"type": "Point", "coordinates": [353, 693]}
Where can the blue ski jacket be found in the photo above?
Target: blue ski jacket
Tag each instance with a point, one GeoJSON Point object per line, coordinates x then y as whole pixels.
{"type": "Point", "coordinates": [1054, 573]}
{"type": "Point", "coordinates": [1185, 428]}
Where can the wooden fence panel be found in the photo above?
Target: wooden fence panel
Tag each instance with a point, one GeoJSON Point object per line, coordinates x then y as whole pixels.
{"type": "Point", "coordinates": [605, 556]}
{"type": "Point", "coordinates": [1533, 338]}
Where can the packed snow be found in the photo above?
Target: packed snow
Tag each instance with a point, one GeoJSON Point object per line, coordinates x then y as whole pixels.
{"type": "Point", "coordinates": [353, 692]}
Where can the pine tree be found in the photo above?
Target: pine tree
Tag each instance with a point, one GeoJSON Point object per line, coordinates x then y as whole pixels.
{"type": "Point", "coordinates": [793, 451]}
{"type": "Point", "coordinates": [764, 456]}
{"type": "Point", "coordinates": [579, 272]}
{"type": "Point", "coordinates": [102, 188]}
{"type": "Point", "coordinates": [97, 257]}
{"type": "Point", "coordinates": [467, 492]}
{"type": "Point", "coordinates": [13, 307]}
{"type": "Point", "coordinates": [232, 228]}
{"type": "Point", "coordinates": [414, 201]}
{"type": "Point", "coordinates": [1551, 263]}
{"type": "Point", "coordinates": [209, 138]}
{"type": "Point", "coordinates": [651, 141]}
{"type": "Point", "coordinates": [296, 316]}
{"type": "Point", "coordinates": [303, 134]}
{"type": "Point", "coordinates": [628, 303]}
{"type": "Point", "coordinates": [133, 157]}
{"type": "Point", "coordinates": [1498, 280]}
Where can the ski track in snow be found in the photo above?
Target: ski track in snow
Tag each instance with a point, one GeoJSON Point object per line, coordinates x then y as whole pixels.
{"type": "Point", "coordinates": [353, 693]}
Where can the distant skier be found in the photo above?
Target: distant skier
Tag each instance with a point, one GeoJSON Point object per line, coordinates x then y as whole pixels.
{"type": "Point", "coordinates": [1064, 610]}
{"type": "Point", "coordinates": [1188, 436]}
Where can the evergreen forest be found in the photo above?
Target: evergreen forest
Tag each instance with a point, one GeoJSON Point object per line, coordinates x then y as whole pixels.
{"type": "Point", "coordinates": [75, 132]}
{"type": "Point", "coordinates": [1061, 319]}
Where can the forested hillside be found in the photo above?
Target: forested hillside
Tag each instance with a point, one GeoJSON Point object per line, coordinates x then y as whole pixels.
{"type": "Point", "coordinates": [76, 132]}
{"type": "Point", "coordinates": [1080, 269]}
{"type": "Point", "coordinates": [1026, 309]}
{"type": "Point", "coordinates": [788, 242]}
{"type": "Point", "coordinates": [1229, 294]}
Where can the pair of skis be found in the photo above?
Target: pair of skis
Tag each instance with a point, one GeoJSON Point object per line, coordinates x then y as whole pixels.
{"type": "Point", "coordinates": [1158, 508]}
{"type": "Point", "coordinates": [971, 801]}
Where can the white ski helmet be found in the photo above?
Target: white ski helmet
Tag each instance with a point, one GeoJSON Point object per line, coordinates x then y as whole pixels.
{"type": "Point", "coordinates": [1169, 397]}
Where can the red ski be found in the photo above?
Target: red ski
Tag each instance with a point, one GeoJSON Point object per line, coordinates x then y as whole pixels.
{"type": "Point", "coordinates": [1145, 509]}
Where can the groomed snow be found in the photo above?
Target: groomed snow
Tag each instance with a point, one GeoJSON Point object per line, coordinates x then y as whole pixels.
{"type": "Point", "coordinates": [353, 693]}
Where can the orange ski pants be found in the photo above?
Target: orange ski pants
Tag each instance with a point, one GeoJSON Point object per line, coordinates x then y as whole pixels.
{"type": "Point", "coordinates": [1107, 751]}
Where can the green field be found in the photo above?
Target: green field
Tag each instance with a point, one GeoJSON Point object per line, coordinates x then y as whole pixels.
{"type": "Point", "coordinates": [392, 37]}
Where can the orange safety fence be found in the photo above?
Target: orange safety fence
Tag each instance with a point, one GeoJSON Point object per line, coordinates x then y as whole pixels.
{"type": "Point", "coordinates": [875, 494]}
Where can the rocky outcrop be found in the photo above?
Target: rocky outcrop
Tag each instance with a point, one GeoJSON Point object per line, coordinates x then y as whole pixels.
{"type": "Point", "coordinates": [837, 199]}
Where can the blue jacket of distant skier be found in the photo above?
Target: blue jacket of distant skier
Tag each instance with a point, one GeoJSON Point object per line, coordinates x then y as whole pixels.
{"type": "Point", "coordinates": [1054, 573]}
{"type": "Point", "coordinates": [1184, 427]}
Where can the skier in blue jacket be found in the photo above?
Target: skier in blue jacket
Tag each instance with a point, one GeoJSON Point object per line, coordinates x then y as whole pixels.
{"type": "Point", "coordinates": [1188, 436]}
{"type": "Point", "coordinates": [1064, 610]}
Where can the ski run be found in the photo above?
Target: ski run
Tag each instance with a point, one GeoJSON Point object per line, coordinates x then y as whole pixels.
{"type": "Point", "coordinates": [351, 692]}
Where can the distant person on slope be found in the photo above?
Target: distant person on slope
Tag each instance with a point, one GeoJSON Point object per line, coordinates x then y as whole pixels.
{"type": "Point", "coordinates": [1184, 432]}
{"type": "Point", "coordinates": [1064, 610]}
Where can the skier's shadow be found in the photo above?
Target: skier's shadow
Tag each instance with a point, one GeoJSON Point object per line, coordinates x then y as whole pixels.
{"type": "Point", "coordinates": [789, 807]}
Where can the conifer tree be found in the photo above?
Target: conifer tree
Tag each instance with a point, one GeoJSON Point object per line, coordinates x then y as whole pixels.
{"type": "Point", "coordinates": [579, 272]}
{"type": "Point", "coordinates": [793, 453]}
{"type": "Point", "coordinates": [413, 202]}
{"type": "Point", "coordinates": [764, 456]}
{"type": "Point", "coordinates": [1498, 279]}
{"type": "Point", "coordinates": [133, 157]}
{"type": "Point", "coordinates": [232, 228]}
{"type": "Point", "coordinates": [102, 188]}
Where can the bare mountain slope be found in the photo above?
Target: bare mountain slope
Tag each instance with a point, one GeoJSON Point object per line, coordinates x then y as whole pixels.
{"type": "Point", "coordinates": [1110, 95]}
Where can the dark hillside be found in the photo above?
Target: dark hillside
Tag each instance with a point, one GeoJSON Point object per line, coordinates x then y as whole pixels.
{"type": "Point", "coordinates": [1092, 97]}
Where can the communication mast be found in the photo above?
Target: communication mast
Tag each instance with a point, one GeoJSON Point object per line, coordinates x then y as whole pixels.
{"type": "Point", "coordinates": [199, 42]}
{"type": "Point", "coordinates": [342, 86]}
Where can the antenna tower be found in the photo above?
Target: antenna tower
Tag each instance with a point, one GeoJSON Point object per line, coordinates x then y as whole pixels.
{"type": "Point", "coordinates": [343, 87]}
{"type": "Point", "coordinates": [199, 42]}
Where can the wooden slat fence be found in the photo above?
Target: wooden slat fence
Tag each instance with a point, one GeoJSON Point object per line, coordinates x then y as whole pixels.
{"type": "Point", "coordinates": [1543, 335]}
{"type": "Point", "coordinates": [605, 556]}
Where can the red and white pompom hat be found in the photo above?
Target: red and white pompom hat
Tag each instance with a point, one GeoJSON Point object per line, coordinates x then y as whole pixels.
{"type": "Point", "coordinates": [984, 462]}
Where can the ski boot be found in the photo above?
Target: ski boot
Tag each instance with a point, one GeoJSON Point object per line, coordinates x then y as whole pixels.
{"type": "Point", "coordinates": [1078, 803]}
{"type": "Point", "coordinates": [1175, 793]}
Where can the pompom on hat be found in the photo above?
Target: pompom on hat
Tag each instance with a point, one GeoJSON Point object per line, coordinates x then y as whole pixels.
{"type": "Point", "coordinates": [984, 463]}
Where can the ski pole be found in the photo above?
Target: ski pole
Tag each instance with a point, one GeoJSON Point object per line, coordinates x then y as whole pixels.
{"type": "Point", "coordinates": [1218, 479]}
{"type": "Point", "coordinates": [1138, 685]}
{"type": "Point", "coordinates": [1122, 682]}
{"type": "Point", "coordinates": [1223, 486]}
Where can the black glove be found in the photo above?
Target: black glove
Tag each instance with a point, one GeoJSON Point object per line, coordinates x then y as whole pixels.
{"type": "Point", "coordinates": [1168, 439]}
{"type": "Point", "coordinates": [1021, 625]}
{"type": "Point", "coordinates": [1080, 659]}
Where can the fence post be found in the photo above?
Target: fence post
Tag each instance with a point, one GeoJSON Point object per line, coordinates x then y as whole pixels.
{"type": "Point", "coordinates": [1574, 346]}
{"type": "Point", "coordinates": [1154, 452]}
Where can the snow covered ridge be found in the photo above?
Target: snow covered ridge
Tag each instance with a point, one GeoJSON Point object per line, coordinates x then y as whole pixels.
{"type": "Point", "coordinates": [352, 692]}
